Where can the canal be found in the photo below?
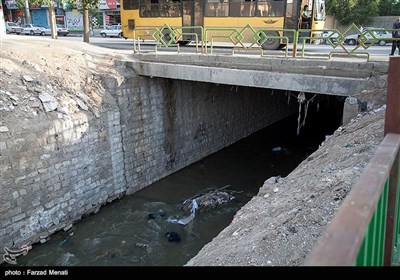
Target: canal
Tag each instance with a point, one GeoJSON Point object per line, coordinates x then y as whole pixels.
{"type": "Point", "coordinates": [132, 230]}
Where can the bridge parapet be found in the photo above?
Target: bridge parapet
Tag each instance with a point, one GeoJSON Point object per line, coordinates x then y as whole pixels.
{"type": "Point", "coordinates": [332, 77]}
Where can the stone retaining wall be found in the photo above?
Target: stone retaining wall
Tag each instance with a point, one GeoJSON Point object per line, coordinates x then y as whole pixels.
{"type": "Point", "coordinates": [57, 167]}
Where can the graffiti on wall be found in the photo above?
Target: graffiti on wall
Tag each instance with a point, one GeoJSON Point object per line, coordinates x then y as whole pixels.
{"type": "Point", "coordinates": [74, 20]}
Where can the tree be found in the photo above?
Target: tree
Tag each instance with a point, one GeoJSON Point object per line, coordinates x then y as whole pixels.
{"type": "Point", "coordinates": [359, 12]}
{"type": "Point", "coordinates": [389, 8]}
{"type": "Point", "coordinates": [84, 6]}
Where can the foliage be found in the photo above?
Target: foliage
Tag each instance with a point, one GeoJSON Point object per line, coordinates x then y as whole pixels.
{"type": "Point", "coordinates": [359, 12]}
{"type": "Point", "coordinates": [41, 2]}
{"type": "Point", "coordinates": [20, 4]}
{"type": "Point", "coordinates": [389, 8]}
{"type": "Point", "coordinates": [90, 4]}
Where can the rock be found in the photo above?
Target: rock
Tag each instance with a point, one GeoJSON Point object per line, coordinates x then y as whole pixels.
{"type": "Point", "coordinates": [62, 110]}
{"type": "Point", "coordinates": [7, 72]}
{"type": "Point", "coordinates": [151, 216]}
{"type": "Point", "coordinates": [81, 104]}
{"type": "Point", "coordinates": [49, 102]}
{"type": "Point", "coordinates": [267, 190]}
{"type": "Point", "coordinates": [27, 78]}
{"type": "Point", "coordinates": [44, 240]}
{"type": "Point", "coordinates": [173, 236]}
{"type": "Point", "coordinates": [3, 129]}
{"type": "Point", "coordinates": [14, 97]}
{"type": "Point", "coordinates": [236, 232]}
{"type": "Point", "coordinates": [272, 180]}
{"type": "Point", "coordinates": [67, 227]}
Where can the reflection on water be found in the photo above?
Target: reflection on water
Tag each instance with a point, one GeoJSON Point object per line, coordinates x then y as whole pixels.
{"type": "Point", "coordinates": [121, 233]}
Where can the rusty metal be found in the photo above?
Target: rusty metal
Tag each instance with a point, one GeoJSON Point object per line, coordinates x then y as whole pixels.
{"type": "Point", "coordinates": [340, 244]}
{"type": "Point", "coordinates": [391, 219]}
{"type": "Point", "coordinates": [392, 117]}
{"type": "Point", "coordinates": [392, 125]}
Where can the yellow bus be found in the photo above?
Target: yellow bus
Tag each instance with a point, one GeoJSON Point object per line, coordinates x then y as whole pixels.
{"type": "Point", "coordinates": [274, 17]}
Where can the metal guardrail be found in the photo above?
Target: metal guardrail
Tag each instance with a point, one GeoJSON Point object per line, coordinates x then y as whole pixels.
{"type": "Point", "coordinates": [236, 37]}
{"type": "Point", "coordinates": [205, 38]}
{"type": "Point", "coordinates": [166, 36]}
{"type": "Point", "coordinates": [337, 40]}
{"type": "Point", "coordinates": [365, 231]}
{"type": "Point", "coordinates": [233, 35]}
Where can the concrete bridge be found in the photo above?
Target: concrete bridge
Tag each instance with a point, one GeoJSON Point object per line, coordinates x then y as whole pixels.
{"type": "Point", "coordinates": [343, 77]}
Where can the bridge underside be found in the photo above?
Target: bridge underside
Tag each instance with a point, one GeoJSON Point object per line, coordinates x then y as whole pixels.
{"type": "Point", "coordinates": [342, 78]}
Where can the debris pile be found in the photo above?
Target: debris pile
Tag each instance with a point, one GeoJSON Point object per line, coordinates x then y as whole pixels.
{"type": "Point", "coordinates": [209, 199]}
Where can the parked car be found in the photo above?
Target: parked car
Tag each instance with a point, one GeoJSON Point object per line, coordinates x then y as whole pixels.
{"type": "Point", "coordinates": [61, 30]}
{"type": "Point", "coordinates": [112, 31]}
{"type": "Point", "coordinates": [32, 29]}
{"type": "Point", "coordinates": [12, 27]}
{"type": "Point", "coordinates": [329, 35]}
{"type": "Point", "coordinates": [380, 37]}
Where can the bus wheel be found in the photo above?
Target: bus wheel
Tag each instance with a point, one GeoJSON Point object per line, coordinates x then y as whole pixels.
{"type": "Point", "coordinates": [281, 46]}
{"type": "Point", "coordinates": [183, 43]}
{"type": "Point", "coordinates": [271, 43]}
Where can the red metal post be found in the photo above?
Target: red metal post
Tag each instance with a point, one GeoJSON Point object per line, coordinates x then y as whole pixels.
{"type": "Point", "coordinates": [392, 117]}
{"type": "Point", "coordinates": [392, 125]}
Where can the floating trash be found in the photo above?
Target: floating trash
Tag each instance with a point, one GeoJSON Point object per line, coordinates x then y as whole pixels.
{"type": "Point", "coordinates": [173, 236]}
{"type": "Point", "coordinates": [209, 199]}
{"type": "Point", "coordinates": [277, 149]}
{"type": "Point", "coordinates": [185, 221]}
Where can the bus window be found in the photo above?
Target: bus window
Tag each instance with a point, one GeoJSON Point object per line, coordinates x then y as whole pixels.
{"type": "Point", "coordinates": [217, 8]}
{"type": "Point", "coordinates": [145, 8]}
{"type": "Point", "coordinates": [320, 10]}
{"type": "Point", "coordinates": [264, 8]}
{"type": "Point", "coordinates": [131, 4]}
{"type": "Point", "coordinates": [235, 8]}
{"type": "Point", "coordinates": [155, 8]}
{"type": "Point", "coordinates": [170, 8]}
{"type": "Point", "coordinates": [248, 8]}
{"type": "Point", "coordinates": [210, 10]}
{"type": "Point", "coordinates": [270, 8]}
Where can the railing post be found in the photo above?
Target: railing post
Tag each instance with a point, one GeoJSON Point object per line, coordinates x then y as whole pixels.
{"type": "Point", "coordinates": [392, 117]}
{"type": "Point", "coordinates": [295, 39]}
{"type": "Point", "coordinates": [392, 125]}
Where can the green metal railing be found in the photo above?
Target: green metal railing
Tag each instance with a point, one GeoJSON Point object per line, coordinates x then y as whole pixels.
{"type": "Point", "coordinates": [366, 39]}
{"type": "Point", "coordinates": [166, 36]}
{"type": "Point", "coordinates": [252, 38]}
{"type": "Point", "coordinates": [236, 36]}
{"type": "Point", "coordinates": [372, 248]}
{"type": "Point", "coordinates": [365, 230]}
{"type": "Point", "coordinates": [170, 36]}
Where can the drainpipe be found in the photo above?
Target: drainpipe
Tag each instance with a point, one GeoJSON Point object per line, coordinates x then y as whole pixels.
{"type": "Point", "coordinates": [27, 13]}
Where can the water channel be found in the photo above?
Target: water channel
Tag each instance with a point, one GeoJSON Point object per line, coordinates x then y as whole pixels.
{"type": "Point", "coordinates": [121, 233]}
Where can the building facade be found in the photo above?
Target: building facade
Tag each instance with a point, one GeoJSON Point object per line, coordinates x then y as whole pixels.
{"type": "Point", "coordinates": [108, 13]}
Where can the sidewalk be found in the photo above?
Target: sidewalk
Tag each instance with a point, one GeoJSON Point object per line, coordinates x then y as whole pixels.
{"type": "Point", "coordinates": [79, 33]}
